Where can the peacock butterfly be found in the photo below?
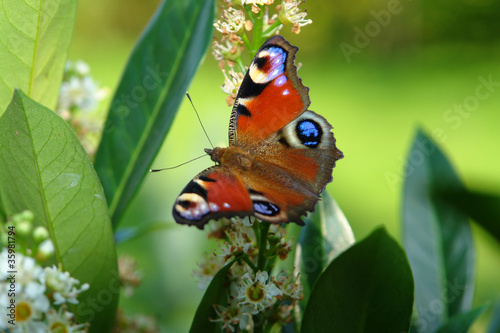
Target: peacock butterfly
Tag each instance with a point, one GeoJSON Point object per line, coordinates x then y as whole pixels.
{"type": "Point", "coordinates": [280, 155]}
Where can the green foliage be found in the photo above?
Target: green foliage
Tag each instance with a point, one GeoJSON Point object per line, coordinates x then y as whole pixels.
{"type": "Point", "coordinates": [367, 288]}
{"type": "Point", "coordinates": [35, 38]}
{"type": "Point", "coordinates": [461, 323]}
{"type": "Point", "coordinates": [149, 94]}
{"type": "Point", "coordinates": [438, 242]}
{"type": "Point", "coordinates": [44, 169]}
{"type": "Point", "coordinates": [325, 235]}
{"type": "Point", "coordinates": [483, 208]}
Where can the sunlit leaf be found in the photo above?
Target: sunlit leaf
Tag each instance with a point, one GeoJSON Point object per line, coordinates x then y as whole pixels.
{"type": "Point", "coordinates": [34, 42]}
{"type": "Point", "coordinates": [325, 235]}
{"type": "Point", "coordinates": [44, 169]}
{"type": "Point", "coordinates": [437, 238]}
{"type": "Point", "coordinates": [153, 85]}
{"type": "Point", "coordinates": [367, 288]}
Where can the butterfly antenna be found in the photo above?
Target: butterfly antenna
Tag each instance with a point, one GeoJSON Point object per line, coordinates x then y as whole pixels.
{"type": "Point", "coordinates": [197, 115]}
{"type": "Point", "coordinates": [194, 159]}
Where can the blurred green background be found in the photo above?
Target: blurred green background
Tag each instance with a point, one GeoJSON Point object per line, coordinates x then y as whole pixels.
{"type": "Point", "coordinates": [413, 68]}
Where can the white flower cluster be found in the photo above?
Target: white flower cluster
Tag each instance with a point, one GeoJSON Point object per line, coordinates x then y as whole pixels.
{"type": "Point", "coordinates": [79, 97]}
{"type": "Point", "coordinates": [33, 288]}
{"type": "Point", "coordinates": [78, 89]}
{"type": "Point", "coordinates": [251, 291]}
{"type": "Point", "coordinates": [234, 26]}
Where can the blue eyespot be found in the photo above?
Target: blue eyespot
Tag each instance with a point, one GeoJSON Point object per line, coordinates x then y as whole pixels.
{"type": "Point", "coordinates": [265, 208]}
{"type": "Point", "coordinates": [309, 133]}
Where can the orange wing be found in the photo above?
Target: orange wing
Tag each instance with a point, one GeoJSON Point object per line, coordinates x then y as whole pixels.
{"type": "Point", "coordinates": [212, 194]}
{"type": "Point", "coordinates": [271, 94]}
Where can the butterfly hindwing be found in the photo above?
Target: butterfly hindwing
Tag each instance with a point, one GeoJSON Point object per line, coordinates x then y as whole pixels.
{"type": "Point", "coordinates": [270, 96]}
{"type": "Point", "coordinates": [291, 169]}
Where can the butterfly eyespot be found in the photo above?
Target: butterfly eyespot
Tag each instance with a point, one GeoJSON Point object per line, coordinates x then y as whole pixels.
{"type": "Point", "coordinates": [265, 208]}
{"type": "Point", "coordinates": [309, 133]}
{"type": "Point", "coordinates": [191, 206]}
{"type": "Point", "coordinates": [268, 65]}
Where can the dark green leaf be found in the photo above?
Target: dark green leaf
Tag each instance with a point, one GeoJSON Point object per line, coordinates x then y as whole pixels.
{"type": "Point", "coordinates": [152, 87]}
{"type": "Point", "coordinates": [367, 288]}
{"type": "Point", "coordinates": [325, 235]}
{"type": "Point", "coordinates": [215, 292]}
{"type": "Point", "coordinates": [43, 168]}
{"type": "Point", "coordinates": [461, 322]}
{"type": "Point", "coordinates": [481, 207]}
{"type": "Point", "coordinates": [34, 39]}
{"type": "Point", "coordinates": [437, 238]}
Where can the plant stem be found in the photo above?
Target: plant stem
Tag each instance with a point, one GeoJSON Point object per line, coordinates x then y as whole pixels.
{"type": "Point", "coordinates": [257, 33]}
{"type": "Point", "coordinates": [245, 39]}
{"type": "Point", "coordinates": [264, 229]}
{"type": "Point", "coordinates": [273, 26]}
{"type": "Point", "coordinates": [250, 263]}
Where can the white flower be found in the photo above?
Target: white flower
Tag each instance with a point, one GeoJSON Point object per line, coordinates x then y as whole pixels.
{"type": "Point", "coordinates": [63, 285]}
{"type": "Point", "coordinates": [225, 251]}
{"type": "Point", "coordinates": [233, 316]}
{"type": "Point", "coordinates": [31, 303]}
{"type": "Point", "coordinates": [228, 50]}
{"type": "Point", "coordinates": [62, 321]}
{"type": "Point", "coordinates": [81, 68]}
{"type": "Point", "coordinates": [257, 2]}
{"type": "Point", "coordinates": [78, 90]}
{"type": "Point", "coordinates": [290, 287]}
{"type": "Point", "coordinates": [235, 21]}
{"type": "Point", "coordinates": [290, 13]}
{"type": "Point", "coordinates": [258, 293]}
{"type": "Point", "coordinates": [27, 269]}
{"type": "Point", "coordinates": [232, 82]}
{"type": "Point", "coordinates": [207, 269]}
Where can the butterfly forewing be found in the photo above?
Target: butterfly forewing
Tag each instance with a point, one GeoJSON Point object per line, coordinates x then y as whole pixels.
{"type": "Point", "coordinates": [271, 94]}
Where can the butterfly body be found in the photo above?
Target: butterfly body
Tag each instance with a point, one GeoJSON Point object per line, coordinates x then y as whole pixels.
{"type": "Point", "coordinates": [280, 155]}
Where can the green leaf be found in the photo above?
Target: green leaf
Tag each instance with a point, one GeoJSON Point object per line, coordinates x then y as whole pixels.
{"type": "Point", "coordinates": [34, 38]}
{"type": "Point", "coordinates": [494, 326]}
{"type": "Point", "coordinates": [437, 238]}
{"type": "Point", "coordinates": [461, 322]}
{"type": "Point", "coordinates": [367, 288]}
{"type": "Point", "coordinates": [483, 208]}
{"type": "Point", "coordinates": [325, 235]}
{"type": "Point", "coordinates": [152, 87]}
{"type": "Point", "coordinates": [216, 291]}
{"type": "Point", "coordinates": [43, 168]}
{"type": "Point", "coordinates": [123, 235]}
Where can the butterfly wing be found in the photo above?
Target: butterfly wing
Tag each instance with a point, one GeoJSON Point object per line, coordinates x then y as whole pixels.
{"type": "Point", "coordinates": [291, 168]}
{"type": "Point", "coordinates": [271, 94]}
{"type": "Point", "coordinates": [214, 193]}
